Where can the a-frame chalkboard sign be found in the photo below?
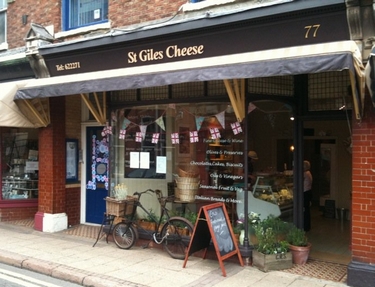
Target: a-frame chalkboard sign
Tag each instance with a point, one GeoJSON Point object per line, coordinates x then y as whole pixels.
{"type": "Point", "coordinates": [213, 223]}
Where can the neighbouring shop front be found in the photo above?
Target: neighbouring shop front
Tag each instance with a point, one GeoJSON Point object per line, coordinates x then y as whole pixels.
{"type": "Point", "coordinates": [18, 144]}
{"type": "Point", "coordinates": [182, 103]}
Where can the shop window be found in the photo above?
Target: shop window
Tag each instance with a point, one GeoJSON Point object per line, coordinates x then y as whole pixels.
{"type": "Point", "coordinates": [19, 164]}
{"type": "Point", "coordinates": [123, 95]}
{"type": "Point", "coordinates": [188, 90]}
{"type": "Point", "coordinates": [154, 93]}
{"type": "Point", "coordinates": [198, 147]}
{"type": "Point", "coordinates": [280, 85]}
{"type": "Point", "coordinates": [196, 152]}
{"type": "Point", "coordinates": [3, 24]}
{"type": "Point", "coordinates": [215, 88]}
{"type": "Point", "coordinates": [78, 13]}
{"type": "Point", "coordinates": [329, 91]}
{"type": "Point", "coordinates": [142, 132]}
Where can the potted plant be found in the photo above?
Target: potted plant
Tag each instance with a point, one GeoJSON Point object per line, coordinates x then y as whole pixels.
{"type": "Point", "coordinates": [237, 228]}
{"type": "Point", "coordinates": [298, 245]}
{"type": "Point", "coordinates": [148, 222]}
{"type": "Point", "coordinates": [279, 227]}
{"type": "Point", "coordinates": [191, 216]}
{"type": "Point", "coordinates": [271, 252]}
{"type": "Point", "coordinates": [253, 220]}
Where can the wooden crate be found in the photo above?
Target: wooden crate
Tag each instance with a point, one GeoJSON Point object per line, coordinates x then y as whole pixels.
{"type": "Point", "coordinates": [269, 262]}
{"type": "Point", "coordinates": [120, 207]}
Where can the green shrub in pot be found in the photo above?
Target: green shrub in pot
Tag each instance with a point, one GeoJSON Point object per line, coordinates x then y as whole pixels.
{"type": "Point", "coordinates": [296, 236]}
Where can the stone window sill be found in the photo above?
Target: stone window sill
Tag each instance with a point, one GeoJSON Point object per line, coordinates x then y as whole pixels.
{"type": "Point", "coordinates": [204, 4]}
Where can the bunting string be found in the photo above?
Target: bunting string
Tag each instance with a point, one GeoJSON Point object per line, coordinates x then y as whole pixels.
{"type": "Point", "coordinates": [175, 136]}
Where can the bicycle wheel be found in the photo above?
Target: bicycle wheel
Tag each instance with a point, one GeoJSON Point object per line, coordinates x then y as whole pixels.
{"type": "Point", "coordinates": [124, 235]}
{"type": "Point", "coordinates": [177, 232]}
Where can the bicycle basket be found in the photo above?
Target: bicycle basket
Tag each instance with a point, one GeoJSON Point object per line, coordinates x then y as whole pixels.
{"type": "Point", "coordinates": [120, 207]}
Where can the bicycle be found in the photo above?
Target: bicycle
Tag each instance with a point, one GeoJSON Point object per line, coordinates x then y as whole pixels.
{"type": "Point", "coordinates": [175, 232]}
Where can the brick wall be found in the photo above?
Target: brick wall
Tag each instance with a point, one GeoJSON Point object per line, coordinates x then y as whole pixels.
{"type": "Point", "coordinates": [48, 12]}
{"type": "Point", "coordinates": [122, 13]}
{"type": "Point", "coordinates": [43, 12]}
{"type": "Point", "coordinates": [363, 187]}
{"type": "Point", "coordinates": [17, 213]}
{"type": "Point", "coordinates": [73, 205]}
{"type": "Point", "coordinates": [73, 131]}
{"type": "Point", "coordinates": [52, 167]}
{"type": "Point", "coordinates": [73, 117]}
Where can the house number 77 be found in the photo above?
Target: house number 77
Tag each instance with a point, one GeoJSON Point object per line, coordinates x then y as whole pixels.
{"type": "Point", "coordinates": [311, 29]}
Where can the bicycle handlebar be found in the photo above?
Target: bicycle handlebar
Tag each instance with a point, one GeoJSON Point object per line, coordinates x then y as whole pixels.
{"type": "Point", "coordinates": [156, 191]}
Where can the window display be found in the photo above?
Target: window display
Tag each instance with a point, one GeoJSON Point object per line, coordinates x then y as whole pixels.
{"type": "Point", "coordinates": [19, 168]}
{"type": "Point", "coordinates": [194, 151]}
{"type": "Point", "coordinates": [142, 132]}
{"type": "Point", "coordinates": [198, 147]}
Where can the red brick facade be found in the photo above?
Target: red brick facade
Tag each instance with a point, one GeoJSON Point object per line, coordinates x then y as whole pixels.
{"type": "Point", "coordinates": [124, 13]}
{"type": "Point", "coordinates": [363, 179]}
{"type": "Point", "coordinates": [17, 213]}
{"type": "Point", "coordinates": [73, 205]}
{"type": "Point", "coordinates": [43, 12]}
{"type": "Point", "coordinates": [52, 167]}
{"type": "Point", "coordinates": [46, 12]}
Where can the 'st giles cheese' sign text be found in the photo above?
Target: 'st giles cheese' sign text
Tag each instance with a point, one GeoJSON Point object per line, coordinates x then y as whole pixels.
{"type": "Point", "coordinates": [170, 52]}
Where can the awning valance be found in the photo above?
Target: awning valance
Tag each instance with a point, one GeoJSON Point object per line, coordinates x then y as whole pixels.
{"type": "Point", "coordinates": [10, 114]}
{"type": "Point", "coordinates": [335, 56]}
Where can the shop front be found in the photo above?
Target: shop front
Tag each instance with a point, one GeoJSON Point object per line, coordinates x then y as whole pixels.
{"type": "Point", "coordinates": [192, 89]}
{"type": "Point", "coordinates": [18, 144]}
{"type": "Point", "coordinates": [179, 105]}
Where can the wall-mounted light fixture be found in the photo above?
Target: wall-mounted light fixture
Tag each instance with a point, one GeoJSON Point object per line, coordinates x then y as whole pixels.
{"type": "Point", "coordinates": [24, 19]}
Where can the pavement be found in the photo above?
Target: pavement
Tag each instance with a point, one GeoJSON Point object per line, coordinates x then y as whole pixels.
{"type": "Point", "coordinates": [73, 258]}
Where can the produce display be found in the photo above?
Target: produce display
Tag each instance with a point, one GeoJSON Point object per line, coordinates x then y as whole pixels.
{"type": "Point", "coordinates": [274, 188]}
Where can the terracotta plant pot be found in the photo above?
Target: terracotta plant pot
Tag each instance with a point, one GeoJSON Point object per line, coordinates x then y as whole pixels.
{"type": "Point", "coordinates": [300, 254]}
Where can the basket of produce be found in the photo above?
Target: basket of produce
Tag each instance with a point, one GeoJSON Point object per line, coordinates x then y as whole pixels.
{"type": "Point", "coordinates": [120, 191]}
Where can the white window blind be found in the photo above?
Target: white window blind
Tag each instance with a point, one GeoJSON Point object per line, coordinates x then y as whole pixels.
{"type": "Point", "coordinates": [85, 12]}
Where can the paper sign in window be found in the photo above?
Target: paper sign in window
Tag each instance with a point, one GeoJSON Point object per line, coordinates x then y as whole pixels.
{"type": "Point", "coordinates": [32, 166]}
{"type": "Point", "coordinates": [144, 160]}
{"type": "Point", "coordinates": [161, 164]}
{"type": "Point", "coordinates": [134, 159]}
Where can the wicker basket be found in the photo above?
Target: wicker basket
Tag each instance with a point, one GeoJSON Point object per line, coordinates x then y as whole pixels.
{"type": "Point", "coordinates": [185, 195]}
{"type": "Point", "coordinates": [187, 179]}
{"type": "Point", "coordinates": [120, 207]}
{"type": "Point", "coordinates": [188, 185]}
{"type": "Point", "coordinates": [187, 173]}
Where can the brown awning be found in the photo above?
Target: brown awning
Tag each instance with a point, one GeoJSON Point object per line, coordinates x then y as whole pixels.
{"type": "Point", "coordinates": [334, 56]}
